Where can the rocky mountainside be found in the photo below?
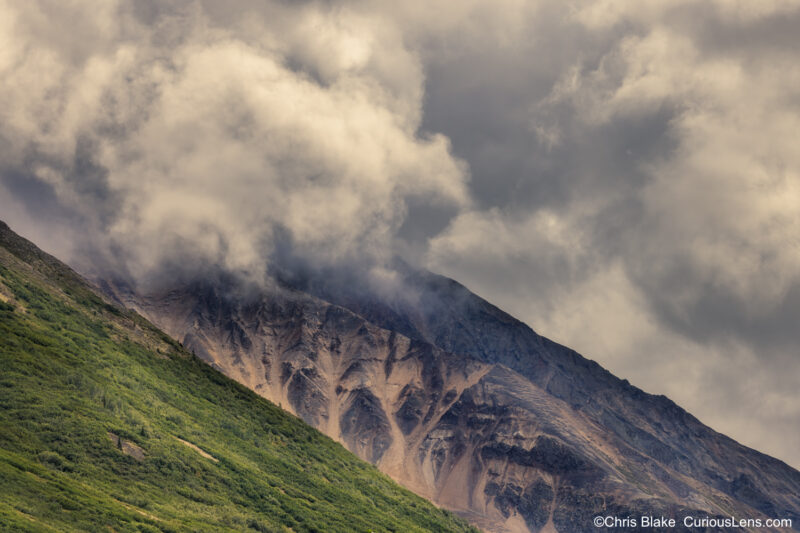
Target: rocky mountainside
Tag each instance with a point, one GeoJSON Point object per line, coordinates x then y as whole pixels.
{"type": "Point", "coordinates": [108, 424]}
{"type": "Point", "coordinates": [466, 405]}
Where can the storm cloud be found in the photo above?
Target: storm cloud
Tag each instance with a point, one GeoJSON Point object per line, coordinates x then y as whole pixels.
{"type": "Point", "coordinates": [622, 175]}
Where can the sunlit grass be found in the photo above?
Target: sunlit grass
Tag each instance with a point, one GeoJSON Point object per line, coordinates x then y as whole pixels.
{"type": "Point", "coordinates": [74, 370]}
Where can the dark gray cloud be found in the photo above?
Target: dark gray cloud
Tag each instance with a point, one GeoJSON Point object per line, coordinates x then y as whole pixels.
{"type": "Point", "coordinates": [622, 175]}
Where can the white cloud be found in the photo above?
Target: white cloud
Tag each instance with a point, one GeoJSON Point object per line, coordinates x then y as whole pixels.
{"type": "Point", "coordinates": [215, 143]}
{"type": "Point", "coordinates": [723, 204]}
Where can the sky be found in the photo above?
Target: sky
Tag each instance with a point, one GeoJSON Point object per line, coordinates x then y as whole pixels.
{"type": "Point", "coordinates": [622, 175]}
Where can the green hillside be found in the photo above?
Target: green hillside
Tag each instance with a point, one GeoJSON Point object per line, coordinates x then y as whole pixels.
{"type": "Point", "coordinates": [94, 400]}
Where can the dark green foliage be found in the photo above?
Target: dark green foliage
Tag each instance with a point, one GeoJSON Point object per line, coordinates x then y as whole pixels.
{"type": "Point", "coordinates": [78, 375]}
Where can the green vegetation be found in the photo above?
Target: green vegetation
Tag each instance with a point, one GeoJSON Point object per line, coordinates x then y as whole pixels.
{"type": "Point", "coordinates": [86, 387]}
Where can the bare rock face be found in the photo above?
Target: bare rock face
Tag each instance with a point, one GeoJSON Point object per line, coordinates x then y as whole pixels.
{"type": "Point", "coordinates": [468, 407]}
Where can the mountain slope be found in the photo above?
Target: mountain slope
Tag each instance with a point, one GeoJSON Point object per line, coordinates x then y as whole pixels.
{"type": "Point", "coordinates": [446, 314]}
{"type": "Point", "coordinates": [107, 424]}
{"type": "Point", "coordinates": [468, 406]}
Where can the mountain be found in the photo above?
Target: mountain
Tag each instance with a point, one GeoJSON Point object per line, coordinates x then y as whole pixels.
{"type": "Point", "coordinates": [466, 405]}
{"type": "Point", "coordinates": [108, 424]}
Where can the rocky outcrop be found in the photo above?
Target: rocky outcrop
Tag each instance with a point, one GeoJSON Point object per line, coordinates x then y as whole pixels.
{"type": "Point", "coordinates": [467, 406]}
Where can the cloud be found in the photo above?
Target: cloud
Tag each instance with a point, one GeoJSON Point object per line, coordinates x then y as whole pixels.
{"type": "Point", "coordinates": [718, 220]}
{"type": "Point", "coordinates": [209, 143]}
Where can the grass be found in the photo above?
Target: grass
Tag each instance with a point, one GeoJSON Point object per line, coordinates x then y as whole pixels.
{"type": "Point", "coordinates": [76, 372]}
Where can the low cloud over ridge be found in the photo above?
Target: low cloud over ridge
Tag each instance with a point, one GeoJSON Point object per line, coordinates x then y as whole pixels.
{"type": "Point", "coordinates": [174, 135]}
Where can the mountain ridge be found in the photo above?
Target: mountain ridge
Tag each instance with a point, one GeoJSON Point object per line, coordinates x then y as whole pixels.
{"type": "Point", "coordinates": [110, 424]}
{"type": "Point", "coordinates": [479, 452]}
